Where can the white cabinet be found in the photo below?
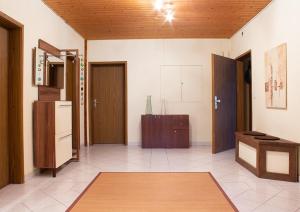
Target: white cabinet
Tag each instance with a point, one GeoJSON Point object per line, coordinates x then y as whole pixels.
{"type": "Point", "coordinates": [52, 134]}
{"type": "Point", "coordinates": [171, 83]}
{"type": "Point", "coordinates": [63, 132]}
{"type": "Point", "coordinates": [63, 117]}
{"type": "Point", "coordinates": [182, 83]}
{"type": "Point", "coordinates": [63, 150]}
{"type": "Point", "coordinates": [192, 83]}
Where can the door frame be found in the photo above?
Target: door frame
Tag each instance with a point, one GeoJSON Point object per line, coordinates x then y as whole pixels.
{"type": "Point", "coordinates": [75, 99]}
{"type": "Point", "coordinates": [213, 101]}
{"type": "Point", "coordinates": [90, 64]}
{"type": "Point", "coordinates": [15, 98]}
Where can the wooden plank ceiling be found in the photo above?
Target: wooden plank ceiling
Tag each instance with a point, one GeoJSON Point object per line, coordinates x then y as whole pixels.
{"type": "Point", "coordinates": [137, 19]}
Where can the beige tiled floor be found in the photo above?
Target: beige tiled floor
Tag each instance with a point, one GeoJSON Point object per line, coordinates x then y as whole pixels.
{"type": "Point", "coordinates": [44, 193]}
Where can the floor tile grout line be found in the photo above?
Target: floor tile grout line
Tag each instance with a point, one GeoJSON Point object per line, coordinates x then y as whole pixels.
{"type": "Point", "coordinates": [298, 209]}
{"type": "Point", "coordinates": [151, 159]}
{"type": "Point", "coordinates": [21, 199]}
{"type": "Point", "coordinates": [265, 201]}
{"type": "Point", "coordinates": [26, 206]}
{"type": "Point", "coordinates": [241, 193]}
{"type": "Point", "coordinates": [52, 197]}
{"type": "Point", "coordinates": [169, 164]}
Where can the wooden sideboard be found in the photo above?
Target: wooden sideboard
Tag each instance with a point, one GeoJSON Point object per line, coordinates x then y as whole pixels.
{"type": "Point", "coordinates": [165, 131]}
{"type": "Point", "coordinates": [52, 134]}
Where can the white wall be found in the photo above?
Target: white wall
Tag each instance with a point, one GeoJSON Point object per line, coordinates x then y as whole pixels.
{"type": "Point", "coordinates": [276, 24]}
{"type": "Point", "coordinates": [39, 22]}
{"type": "Point", "coordinates": [145, 58]}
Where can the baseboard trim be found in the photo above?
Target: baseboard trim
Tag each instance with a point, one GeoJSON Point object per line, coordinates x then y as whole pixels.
{"type": "Point", "coordinates": [31, 174]}
{"type": "Point", "coordinates": [200, 143]}
{"type": "Point", "coordinates": [193, 143]}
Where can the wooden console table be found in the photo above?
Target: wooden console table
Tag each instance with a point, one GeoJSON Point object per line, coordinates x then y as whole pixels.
{"type": "Point", "coordinates": [165, 131]}
{"type": "Point", "coordinates": [277, 160]}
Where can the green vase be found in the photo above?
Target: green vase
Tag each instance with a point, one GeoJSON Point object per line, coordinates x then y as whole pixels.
{"type": "Point", "coordinates": [148, 106]}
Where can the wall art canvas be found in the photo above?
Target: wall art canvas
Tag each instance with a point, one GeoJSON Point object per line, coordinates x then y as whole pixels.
{"type": "Point", "coordinates": [276, 77]}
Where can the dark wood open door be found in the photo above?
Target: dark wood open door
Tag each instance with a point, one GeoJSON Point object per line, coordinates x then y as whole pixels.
{"type": "Point", "coordinates": [224, 89]}
{"type": "Point", "coordinates": [4, 148]}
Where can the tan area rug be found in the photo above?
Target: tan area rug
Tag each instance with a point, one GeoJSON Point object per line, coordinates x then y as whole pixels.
{"type": "Point", "coordinates": [157, 192]}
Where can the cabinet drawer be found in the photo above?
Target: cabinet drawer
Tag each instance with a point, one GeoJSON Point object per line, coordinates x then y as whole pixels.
{"type": "Point", "coordinates": [180, 121]}
{"type": "Point", "coordinates": [63, 117]}
{"type": "Point", "coordinates": [63, 149]}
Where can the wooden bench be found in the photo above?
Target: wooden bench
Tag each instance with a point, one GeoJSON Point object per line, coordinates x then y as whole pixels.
{"type": "Point", "coordinates": [270, 159]}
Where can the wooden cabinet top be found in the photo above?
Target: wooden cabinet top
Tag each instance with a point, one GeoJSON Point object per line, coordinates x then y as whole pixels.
{"type": "Point", "coordinates": [170, 115]}
{"type": "Point", "coordinates": [249, 138]}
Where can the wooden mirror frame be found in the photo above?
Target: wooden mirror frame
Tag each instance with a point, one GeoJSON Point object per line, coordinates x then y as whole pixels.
{"type": "Point", "coordinates": [47, 49]}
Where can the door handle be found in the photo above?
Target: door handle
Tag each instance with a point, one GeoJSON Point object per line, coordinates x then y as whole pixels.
{"type": "Point", "coordinates": [65, 106]}
{"type": "Point", "coordinates": [217, 101]}
{"type": "Point", "coordinates": [95, 103]}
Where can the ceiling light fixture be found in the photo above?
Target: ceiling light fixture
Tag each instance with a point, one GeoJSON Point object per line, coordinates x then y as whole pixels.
{"type": "Point", "coordinates": [166, 8]}
{"type": "Point", "coordinates": [169, 15]}
{"type": "Point", "coordinates": [159, 4]}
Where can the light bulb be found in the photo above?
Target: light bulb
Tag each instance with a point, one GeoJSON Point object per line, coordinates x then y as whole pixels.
{"type": "Point", "coordinates": [169, 15]}
{"type": "Point", "coordinates": [159, 4]}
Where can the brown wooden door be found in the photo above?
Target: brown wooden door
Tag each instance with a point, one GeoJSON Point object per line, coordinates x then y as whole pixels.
{"type": "Point", "coordinates": [108, 103]}
{"type": "Point", "coordinates": [4, 151]}
{"type": "Point", "coordinates": [224, 103]}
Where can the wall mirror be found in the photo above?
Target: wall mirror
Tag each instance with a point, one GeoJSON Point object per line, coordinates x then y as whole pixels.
{"type": "Point", "coordinates": [48, 66]}
{"type": "Point", "coordinates": [54, 72]}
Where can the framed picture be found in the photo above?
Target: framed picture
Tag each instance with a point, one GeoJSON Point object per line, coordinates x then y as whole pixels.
{"type": "Point", "coordinates": [276, 77]}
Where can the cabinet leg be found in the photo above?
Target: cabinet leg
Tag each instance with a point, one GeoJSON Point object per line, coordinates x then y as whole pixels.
{"type": "Point", "coordinates": [54, 172]}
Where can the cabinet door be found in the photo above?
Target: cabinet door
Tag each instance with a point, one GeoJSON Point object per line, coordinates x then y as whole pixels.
{"type": "Point", "coordinates": [180, 121]}
{"type": "Point", "coordinates": [63, 117]}
{"type": "Point", "coordinates": [146, 131]}
{"type": "Point", "coordinates": [151, 132]}
{"type": "Point", "coordinates": [63, 150]}
{"type": "Point", "coordinates": [156, 133]}
{"type": "Point", "coordinates": [171, 83]}
{"type": "Point", "coordinates": [167, 131]}
{"type": "Point", "coordinates": [180, 138]}
{"type": "Point", "coordinates": [193, 83]}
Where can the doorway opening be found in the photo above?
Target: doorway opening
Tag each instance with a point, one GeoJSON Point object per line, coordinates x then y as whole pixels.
{"type": "Point", "coordinates": [108, 102]}
{"type": "Point", "coordinates": [11, 107]}
{"type": "Point", "coordinates": [232, 99]}
{"type": "Point", "coordinates": [244, 92]}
